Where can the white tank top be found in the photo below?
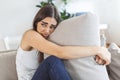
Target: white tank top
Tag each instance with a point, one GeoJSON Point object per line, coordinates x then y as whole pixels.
{"type": "Point", "coordinates": [26, 63]}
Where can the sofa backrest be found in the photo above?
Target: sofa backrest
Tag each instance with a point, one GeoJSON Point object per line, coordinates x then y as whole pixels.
{"type": "Point", "coordinates": [7, 65]}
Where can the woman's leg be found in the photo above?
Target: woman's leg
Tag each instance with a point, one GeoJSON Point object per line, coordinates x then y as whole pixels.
{"type": "Point", "coordinates": [51, 68]}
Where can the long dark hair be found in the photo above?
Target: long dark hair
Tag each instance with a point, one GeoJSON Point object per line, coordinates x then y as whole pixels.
{"type": "Point", "coordinates": [46, 11]}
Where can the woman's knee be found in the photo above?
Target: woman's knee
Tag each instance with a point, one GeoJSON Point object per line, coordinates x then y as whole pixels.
{"type": "Point", "coordinates": [53, 60]}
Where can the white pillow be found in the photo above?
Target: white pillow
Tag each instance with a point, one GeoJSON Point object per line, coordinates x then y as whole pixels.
{"type": "Point", "coordinates": [12, 42]}
{"type": "Point", "coordinates": [114, 67]}
{"type": "Point", "coordinates": [2, 45]}
{"type": "Point", "coordinates": [82, 30]}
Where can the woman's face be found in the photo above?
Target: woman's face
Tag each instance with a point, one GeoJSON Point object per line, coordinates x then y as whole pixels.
{"type": "Point", "coordinates": [46, 26]}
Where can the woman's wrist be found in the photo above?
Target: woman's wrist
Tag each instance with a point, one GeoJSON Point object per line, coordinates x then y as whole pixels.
{"type": "Point", "coordinates": [96, 50]}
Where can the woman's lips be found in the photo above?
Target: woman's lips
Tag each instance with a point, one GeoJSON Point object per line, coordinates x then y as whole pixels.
{"type": "Point", "coordinates": [45, 35]}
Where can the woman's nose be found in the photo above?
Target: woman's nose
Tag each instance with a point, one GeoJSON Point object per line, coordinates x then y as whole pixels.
{"type": "Point", "coordinates": [47, 30]}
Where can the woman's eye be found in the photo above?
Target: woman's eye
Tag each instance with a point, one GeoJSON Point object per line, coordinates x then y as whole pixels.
{"type": "Point", "coordinates": [44, 25]}
{"type": "Point", "coordinates": [52, 27]}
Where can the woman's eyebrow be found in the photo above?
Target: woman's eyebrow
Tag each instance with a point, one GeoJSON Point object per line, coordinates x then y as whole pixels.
{"type": "Point", "coordinates": [53, 25]}
{"type": "Point", "coordinates": [44, 22]}
{"type": "Point", "coordinates": [47, 23]}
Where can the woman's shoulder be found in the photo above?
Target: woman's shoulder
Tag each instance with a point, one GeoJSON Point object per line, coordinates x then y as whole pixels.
{"type": "Point", "coordinates": [30, 33]}
{"type": "Point", "coordinates": [29, 37]}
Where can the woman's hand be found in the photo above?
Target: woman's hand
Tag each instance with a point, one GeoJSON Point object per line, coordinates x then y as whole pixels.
{"type": "Point", "coordinates": [103, 57]}
{"type": "Point", "coordinates": [99, 60]}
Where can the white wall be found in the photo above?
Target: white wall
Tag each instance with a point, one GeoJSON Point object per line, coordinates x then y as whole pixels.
{"type": "Point", "coordinates": [108, 12]}
{"type": "Point", "coordinates": [16, 15]}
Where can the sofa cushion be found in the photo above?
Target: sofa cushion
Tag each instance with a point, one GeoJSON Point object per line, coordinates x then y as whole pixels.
{"type": "Point", "coordinates": [7, 65]}
{"type": "Point", "coordinates": [114, 67]}
{"type": "Point", "coordinates": [82, 30]}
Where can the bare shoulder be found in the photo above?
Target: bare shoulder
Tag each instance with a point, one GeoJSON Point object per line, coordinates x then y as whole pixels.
{"type": "Point", "coordinates": [31, 34]}
{"type": "Point", "coordinates": [30, 37]}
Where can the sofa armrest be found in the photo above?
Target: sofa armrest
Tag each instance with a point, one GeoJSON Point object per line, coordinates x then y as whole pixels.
{"type": "Point", "coordinates": [7, 65]}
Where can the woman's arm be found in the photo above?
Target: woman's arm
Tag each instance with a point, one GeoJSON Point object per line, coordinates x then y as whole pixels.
{"type": "Point", "coordinates": [35, 40]}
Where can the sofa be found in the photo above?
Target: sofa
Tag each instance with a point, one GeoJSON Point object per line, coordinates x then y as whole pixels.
{"type": "Point", "coordinates": [7, 65]}
{"type": "Point", "coordinates": [8, 68]}
{"type": "Point", "coordinates": [7, 57]}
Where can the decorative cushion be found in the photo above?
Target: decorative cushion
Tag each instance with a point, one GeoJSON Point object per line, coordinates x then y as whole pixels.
{"type": "Point", "coordinates": [114, 67]}
{"type": "Point", "coordinates": [82, 30]}
{"type": "Point", "coordinates": [7, 65]}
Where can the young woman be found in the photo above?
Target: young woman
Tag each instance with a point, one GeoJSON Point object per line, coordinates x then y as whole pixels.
{"type": "Point", "coordinates": [34, 43]}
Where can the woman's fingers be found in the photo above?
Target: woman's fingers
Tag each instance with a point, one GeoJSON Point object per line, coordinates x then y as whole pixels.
{"type": "Point", "coordinates": [104, 56]}
{"type": "Point", "coordinates": [100, 61]}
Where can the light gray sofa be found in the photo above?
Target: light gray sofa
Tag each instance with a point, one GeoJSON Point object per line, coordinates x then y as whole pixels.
{"type": "Point", "coordinates": [8, 68]}
{"type": "Point", "coordinates": [7, 65]}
